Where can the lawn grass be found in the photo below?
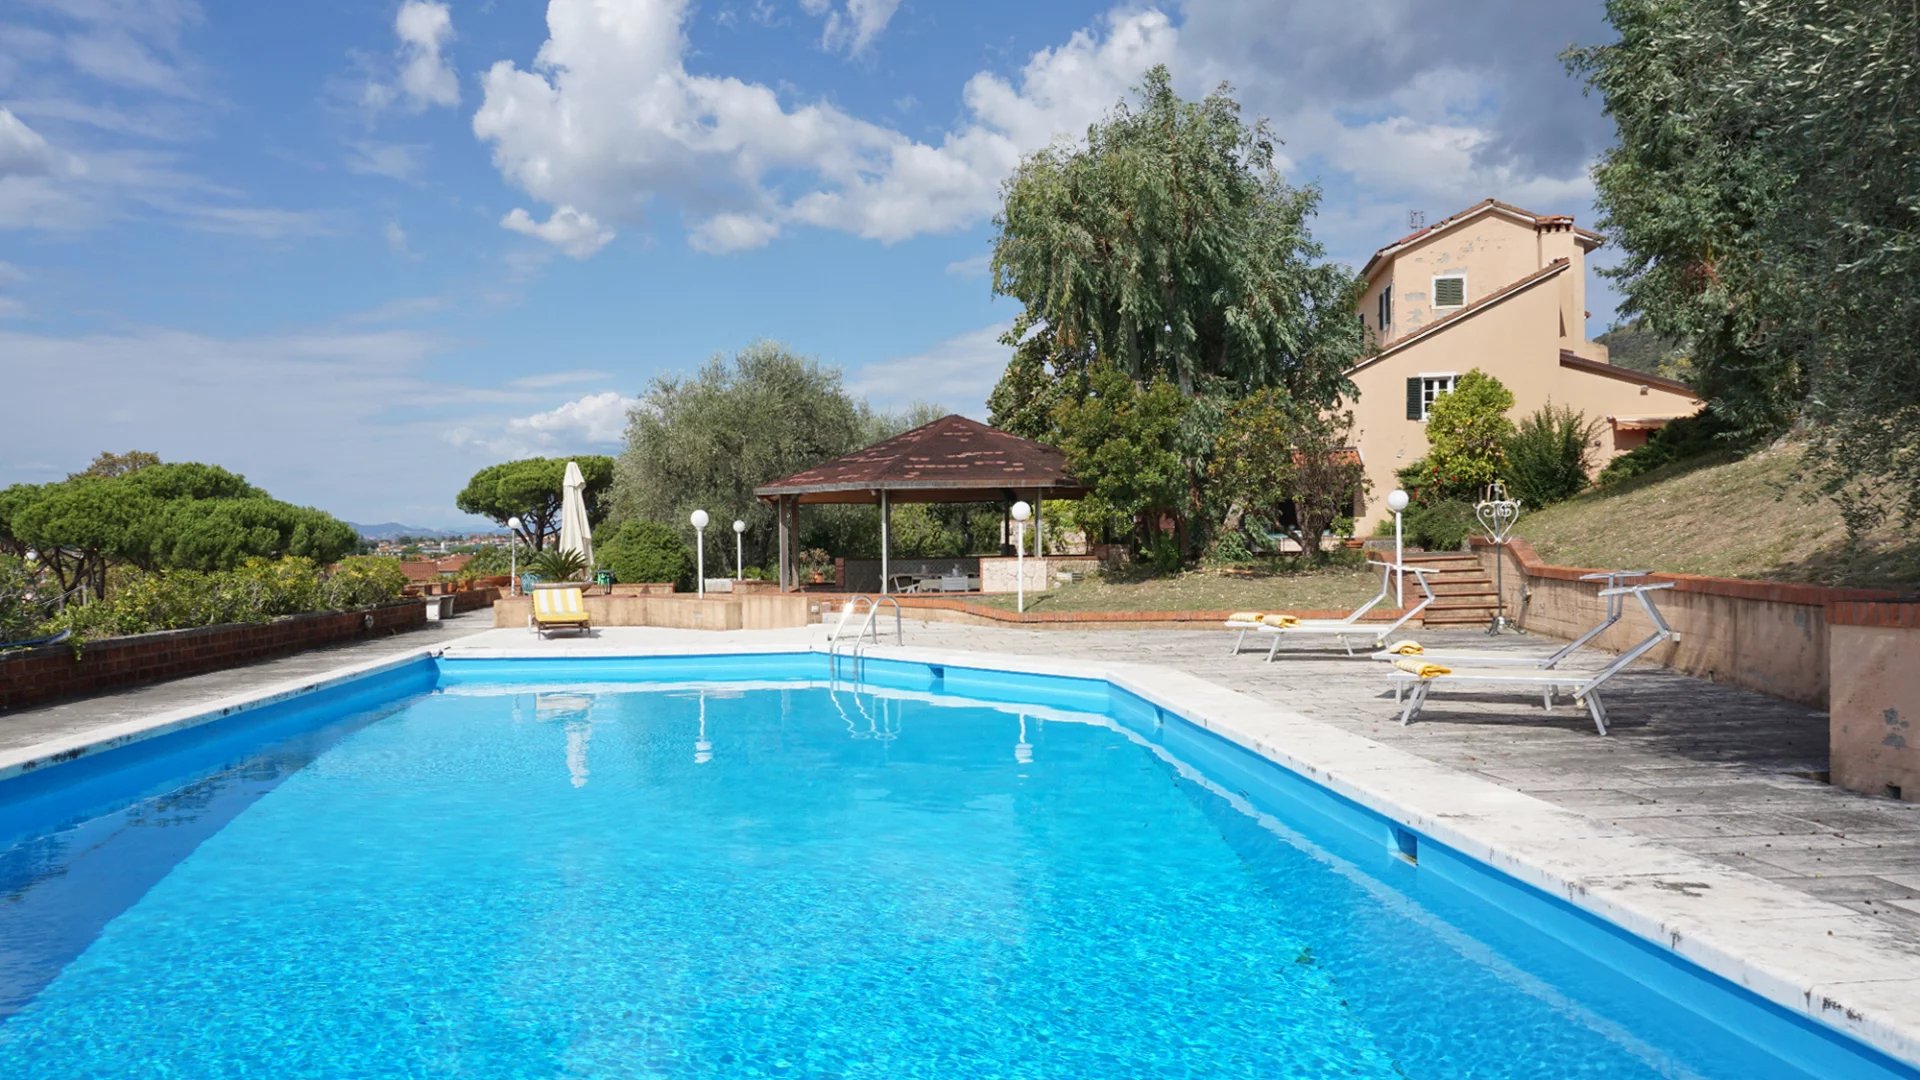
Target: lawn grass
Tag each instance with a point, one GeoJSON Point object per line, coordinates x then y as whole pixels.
{"type": "Point", "coordinates": [1328, 589]}
{"type": "Point", "coordinates": [1725, 517]}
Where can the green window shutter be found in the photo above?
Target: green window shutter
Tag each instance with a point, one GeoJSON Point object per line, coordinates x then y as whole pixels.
{"type": "Point", "coordinates": [1449, 291]}
{"type": "Point", "coordinates": [1413, 398]}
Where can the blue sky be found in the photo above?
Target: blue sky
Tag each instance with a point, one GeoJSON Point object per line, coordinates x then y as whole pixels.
{"type": "Point", "coordinates": [359, 249]}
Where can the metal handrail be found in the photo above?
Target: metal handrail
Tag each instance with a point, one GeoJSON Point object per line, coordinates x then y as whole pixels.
{"type": "Point", "coordinates": [860, 635]}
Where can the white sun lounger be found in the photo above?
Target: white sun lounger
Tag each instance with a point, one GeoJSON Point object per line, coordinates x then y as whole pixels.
{"type": "Point", "coordinates": [1616, 607]}
{"type": "Point", "coordinates": [1584, 686]}
{"type": "Point", "coordinates": [1345, 630]}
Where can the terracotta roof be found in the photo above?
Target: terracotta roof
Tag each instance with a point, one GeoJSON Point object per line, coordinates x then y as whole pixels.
{"type": "Point", "coordinates": [1469, 311]}
{"type": "Point", "coordinates": [430, 569]}
{"type": "Point", "coordinates": [952, 459]}
{"type": "Point", "coordinates": [1571, 359]}
{"type": "Point", "coordinates": [1539, 221]}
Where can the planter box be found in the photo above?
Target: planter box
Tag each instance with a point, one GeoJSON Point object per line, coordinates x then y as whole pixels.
{"type": "Point", "coordinates": [52, 672]}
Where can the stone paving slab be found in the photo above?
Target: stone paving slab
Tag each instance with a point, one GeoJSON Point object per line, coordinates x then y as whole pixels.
{"type": "Point", "coordinates": [1717, 771]}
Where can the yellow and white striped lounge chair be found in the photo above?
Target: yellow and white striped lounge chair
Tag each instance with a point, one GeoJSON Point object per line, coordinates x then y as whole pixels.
{"type": "Point", "coordinates": [559, 607]}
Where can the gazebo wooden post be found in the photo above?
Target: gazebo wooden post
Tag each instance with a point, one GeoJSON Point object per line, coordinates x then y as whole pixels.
{"type": "Point", "coordinates": [1039, 525]}
{"type": "Point", "coordinates": [780, 515]}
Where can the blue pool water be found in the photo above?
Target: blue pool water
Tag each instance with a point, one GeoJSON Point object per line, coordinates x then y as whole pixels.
{"type": "Point", "coordinates": [490, 877]}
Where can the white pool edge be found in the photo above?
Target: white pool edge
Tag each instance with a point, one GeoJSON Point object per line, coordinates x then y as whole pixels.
{"type": "Point", "coordinates": [1752, 932]}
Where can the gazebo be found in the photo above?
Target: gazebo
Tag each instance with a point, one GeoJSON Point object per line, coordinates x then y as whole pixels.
{"type": "Point", "coordinates": [951, 460]}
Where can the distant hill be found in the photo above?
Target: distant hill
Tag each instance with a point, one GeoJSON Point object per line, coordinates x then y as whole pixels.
{"type": "Point", "coordinates": [393, 530]}
{"type": "Point", "coordinates": [1632, 345]}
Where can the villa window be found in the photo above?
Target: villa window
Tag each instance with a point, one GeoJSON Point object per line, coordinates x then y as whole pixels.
{"type": "Point", "coordinates": [1450, 291]}
{"type": "Point", "coordinates": [1422, 390]}
{"type": "Point", "coordinates": [1385, 317]}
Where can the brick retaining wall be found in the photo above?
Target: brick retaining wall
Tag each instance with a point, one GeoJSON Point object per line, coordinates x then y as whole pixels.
{"type": "Point", "coordinates": [51, 672]}
{"type": "Point", "coordinates": [1874, 741]}
{"type": "Point", "coordinates": [1769, 636]}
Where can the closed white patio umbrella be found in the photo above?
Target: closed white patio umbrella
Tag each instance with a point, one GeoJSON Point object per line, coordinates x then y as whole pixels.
{"type": "Point", "coordinates": [575, 534]}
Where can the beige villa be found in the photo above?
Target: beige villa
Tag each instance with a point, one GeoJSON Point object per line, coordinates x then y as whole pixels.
{"type": "Point", "coordinates": [1504, 290]}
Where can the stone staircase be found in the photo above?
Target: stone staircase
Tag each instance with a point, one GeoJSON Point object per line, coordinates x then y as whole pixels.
{"type": "Point", "coordinates": [1462, 589]}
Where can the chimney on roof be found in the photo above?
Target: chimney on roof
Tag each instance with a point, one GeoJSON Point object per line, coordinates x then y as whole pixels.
{"type": "Point", "coordinates": [1416, 219]}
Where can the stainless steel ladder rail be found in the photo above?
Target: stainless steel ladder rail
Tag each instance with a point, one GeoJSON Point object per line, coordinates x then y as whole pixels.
{"type": "Point", "coordinates": [859, 639]}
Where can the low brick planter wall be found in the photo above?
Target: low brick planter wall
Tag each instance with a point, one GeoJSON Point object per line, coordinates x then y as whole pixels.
{"type": "Point", "coordinates": [52, 672]}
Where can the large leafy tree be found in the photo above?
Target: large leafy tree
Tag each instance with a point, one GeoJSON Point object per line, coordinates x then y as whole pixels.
{"type": "Point", "coordinates": [705, 441]}
{"type": "Point", "coordinates": [532, 489]}
{"type": "Point", "coordinates": [1169, 246]}
{"type": "Point", "coordinates": [179, 516]}
{"type": "Point", "coordinates": [1764, 192]}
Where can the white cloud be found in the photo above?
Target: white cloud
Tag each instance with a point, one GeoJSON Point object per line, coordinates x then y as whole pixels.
{"type": "Point", "coordinates": [23, 151]}
{"type": "Point", "coordinates": [397, 241]}
{"type": "Point", "coordinates": [11, 308]}
{"type": "Point", "coordinates": [395, 161]}
{"type": "Point", "coordinates": [732, 232]}
{"type": "Point", "coordinates": [424, 77]}
{"type": "Point", "coordinates": [957, 374]}
{"type": "Point", "coordinates": [546, 379]}
{"type": "Point", "coordinates": [11, 274]}
{"type": "Point", "coordinates": [570, 230]}
{"type": "Point", "coordinates": [400, 310]}
{"type": "Point", "coordinates": [853, 26]}
{"type": "Point", "coordinates": [977, 266]}
{"type": "Point", "coordinates": [608, 118]}
{"type": "Point", "coordinates": [595, 420]}
{"type": "Point", "coordinates": [317, 418]}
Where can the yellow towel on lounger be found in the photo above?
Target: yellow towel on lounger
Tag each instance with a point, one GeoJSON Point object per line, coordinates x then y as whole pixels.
{"type": "Point", "coordinates": [1245, 616]}
{"type": "Point", "coordinates": [1284, 622]}
{"type": "Point", "coordinates": [1426, 669]}
{"type": "Point", "coordinates": [1407, 648]}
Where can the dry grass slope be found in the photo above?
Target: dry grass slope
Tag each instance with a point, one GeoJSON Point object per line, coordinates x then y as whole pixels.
{"type": "Point", "coordinates": [1332, 589]}
{"type": "Point", "coordinates": [1745, 518]}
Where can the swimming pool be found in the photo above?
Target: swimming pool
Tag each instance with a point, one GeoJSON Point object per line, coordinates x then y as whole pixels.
{"type": "Point", "coordinates": [728, 867]}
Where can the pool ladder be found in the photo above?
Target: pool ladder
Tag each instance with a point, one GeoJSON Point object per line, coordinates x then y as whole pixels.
{"type": "Point", "coordinates": [858, 642]}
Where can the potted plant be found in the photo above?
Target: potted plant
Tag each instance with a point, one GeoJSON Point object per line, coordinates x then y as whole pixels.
{"type": "Point", "coordinates": [814, 563]}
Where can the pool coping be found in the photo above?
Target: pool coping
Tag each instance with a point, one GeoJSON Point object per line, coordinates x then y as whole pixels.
{"type": "Point", "coordinates": [1754, 933]}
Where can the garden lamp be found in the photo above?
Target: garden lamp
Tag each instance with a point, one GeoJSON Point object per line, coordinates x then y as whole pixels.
{"type": "Point", "coordinates": [1021, 512]}
{"type": "Point", "coordinates": [699, 520]}
{"type": "Point", "coordinates": [513, 554]}
{"type": "Point", "coordinates": [1397, 502]}
{"type": "Point", "coordinates": [739, 531]}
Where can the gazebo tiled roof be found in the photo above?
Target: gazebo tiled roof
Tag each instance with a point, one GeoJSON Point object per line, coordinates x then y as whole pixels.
{"type": "Point", "coordinates": [952, 459]}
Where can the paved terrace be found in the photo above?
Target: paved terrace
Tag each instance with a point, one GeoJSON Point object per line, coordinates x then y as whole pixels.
{"type": "Point", "coordinates": [1723, 773]}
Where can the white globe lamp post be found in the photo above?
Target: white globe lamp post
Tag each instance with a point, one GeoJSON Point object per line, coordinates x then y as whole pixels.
{"type": "Point", "coordinates": [1021, 512]}
{"type": "Point", "coordinates": [739, 533]}
{"type": "Point", "coordinates": [513, 554]}
{"type": "Point", "coordinates": [699, 520]}
{"type": "Point", "coordinates": [1397, 502]}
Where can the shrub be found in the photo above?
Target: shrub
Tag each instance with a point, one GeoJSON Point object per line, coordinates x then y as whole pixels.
{"type": "Point", "coordinates": [363, 581]}
{"type": "Point", "coordinates": [19, 600]}
{"type": "Point", "coordinates": [1689, 437]}
{"type": "Point", "coordinates": [1440, 526]}
{"type": "Point", "coordinates": [558, 565]}
{"type": "Point", "coordinates": [1467, 432]}
{"type": "Point", "coordinates": [1548, 456]}
{"type": "Point", "coordinates": [647, 551]}
{"type": "Point", "coordinates": [1228, 549]}
{"type": "Point", "coordinates": [488, 562]}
